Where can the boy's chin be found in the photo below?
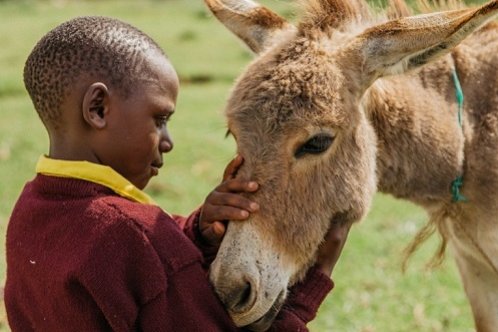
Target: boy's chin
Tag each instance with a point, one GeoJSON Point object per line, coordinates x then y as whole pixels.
{"type": "Point", "coordinates": [142, 185]}
{"type": "Point", "coordinates": [142, 182]}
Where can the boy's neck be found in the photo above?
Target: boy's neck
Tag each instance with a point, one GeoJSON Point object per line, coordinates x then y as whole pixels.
{"type": "Point", "coordinates": [71, 149]}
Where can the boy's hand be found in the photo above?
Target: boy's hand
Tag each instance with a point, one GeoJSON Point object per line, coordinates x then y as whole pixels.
{"type": "Point", "coordinates": [331, 248]}
{"type": "Point", "coordinates": [225, 203]}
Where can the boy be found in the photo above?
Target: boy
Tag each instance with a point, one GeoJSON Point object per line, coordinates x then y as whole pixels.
{"type": "Point", "coordinates": [87, 250]}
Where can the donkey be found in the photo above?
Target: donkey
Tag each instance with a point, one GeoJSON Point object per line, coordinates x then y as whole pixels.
{"type": "Point", "coordinates": [348, 102]}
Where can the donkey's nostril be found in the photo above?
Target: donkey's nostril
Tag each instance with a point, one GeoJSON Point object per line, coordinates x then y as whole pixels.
{"type": "Point", "coordinates": [245, 295]}
{"type": "Point", "coordinates": [242, 298]}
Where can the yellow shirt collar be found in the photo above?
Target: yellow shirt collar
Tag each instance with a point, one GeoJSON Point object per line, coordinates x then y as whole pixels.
{"type": "Point", "coordinates": [103, 175]}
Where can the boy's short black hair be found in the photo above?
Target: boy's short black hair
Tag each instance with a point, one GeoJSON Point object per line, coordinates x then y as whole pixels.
{"type": "Point", "coordinates": [107, 48]}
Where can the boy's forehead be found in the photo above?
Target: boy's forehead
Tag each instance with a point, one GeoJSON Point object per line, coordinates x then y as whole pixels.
{"type": "Point", "coordinates": [158, 83]}
{"type": "Point", "coordinates": [162, 73]}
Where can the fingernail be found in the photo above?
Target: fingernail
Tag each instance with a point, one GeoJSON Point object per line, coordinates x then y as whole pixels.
{"type": "Point", "coordinates": [244, 214]}
{"type": "Point", "coordinates": [253, 185]}
{"type": "Point", "coordinates": [254, 206]}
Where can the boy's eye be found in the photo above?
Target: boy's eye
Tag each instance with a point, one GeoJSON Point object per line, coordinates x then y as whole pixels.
{"type": "Point", "coordinates": [161, 120]}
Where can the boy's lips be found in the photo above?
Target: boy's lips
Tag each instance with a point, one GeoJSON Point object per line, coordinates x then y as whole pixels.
{"type": "Point", "coordinates": [155, 169]}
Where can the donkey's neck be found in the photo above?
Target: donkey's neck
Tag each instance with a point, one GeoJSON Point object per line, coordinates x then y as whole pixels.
{"type": "Point", "coordinates": [420, 142]}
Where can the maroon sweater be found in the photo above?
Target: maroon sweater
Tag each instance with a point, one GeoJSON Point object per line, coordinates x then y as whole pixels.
{"type": "Point", "coordinates": [81, 258]}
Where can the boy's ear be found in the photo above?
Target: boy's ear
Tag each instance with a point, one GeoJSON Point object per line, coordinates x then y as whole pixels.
{"type": "Point", "coordinates": [95, 105]}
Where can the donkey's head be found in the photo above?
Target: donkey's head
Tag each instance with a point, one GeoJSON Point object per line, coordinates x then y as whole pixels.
{"type": "Point", "coordinates": [296, 114]}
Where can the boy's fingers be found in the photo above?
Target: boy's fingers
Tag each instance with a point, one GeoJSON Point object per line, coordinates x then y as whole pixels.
{"type": "Point", "coordinates": [237, 186]}
{"type": "Point", "coordinates": [232, 167]}
{"type": "Point", "coordinates": [215, 232]}
{"type": "Point", "coordinates": [335, 239]}
{"type": "Point", "coordinates": [234, 200]}
{"type": "Point", "coordinates": [224, 212]}
{"type": "Point", "coordinates": [218, 228]}
{"type": "Point", "coordinates": [330, 250]}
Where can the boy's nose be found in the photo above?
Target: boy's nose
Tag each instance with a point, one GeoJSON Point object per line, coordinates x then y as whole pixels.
{"type": "Point", "coordinates": [166, 143]}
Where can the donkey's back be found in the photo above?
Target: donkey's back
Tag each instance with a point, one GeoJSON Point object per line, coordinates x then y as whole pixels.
{"type": "Point", "coordinates": [425, 145]}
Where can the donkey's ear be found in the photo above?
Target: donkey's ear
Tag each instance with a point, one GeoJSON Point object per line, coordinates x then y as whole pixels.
{"type": "Point", "coordinates": [407, 43]}
{"type": "Point", "coordinates": [256, 25]}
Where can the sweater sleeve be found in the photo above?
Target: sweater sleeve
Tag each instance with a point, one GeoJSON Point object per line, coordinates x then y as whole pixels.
{"type": "Point", "coordinates": [190, 227]}
{"type": "Point", "coordinates": [188, 304]}
{"type": "Point", "coordinates": [303, 302]}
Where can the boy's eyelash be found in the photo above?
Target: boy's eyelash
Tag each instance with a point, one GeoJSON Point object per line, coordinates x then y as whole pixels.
{"type": "Point", "coordinates": [161, 120]}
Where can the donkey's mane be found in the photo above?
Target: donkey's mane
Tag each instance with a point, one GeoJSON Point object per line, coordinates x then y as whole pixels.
{"type": "Point", "coordinates": [334, 13]}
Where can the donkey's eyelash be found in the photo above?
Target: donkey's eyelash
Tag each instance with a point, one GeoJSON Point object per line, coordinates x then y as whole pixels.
{"type": "Point", "coordinates": [315, 145]}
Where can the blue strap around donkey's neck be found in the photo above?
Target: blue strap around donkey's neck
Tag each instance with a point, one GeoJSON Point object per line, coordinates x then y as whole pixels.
{"type": "Point", "coordinates": [458, 182]}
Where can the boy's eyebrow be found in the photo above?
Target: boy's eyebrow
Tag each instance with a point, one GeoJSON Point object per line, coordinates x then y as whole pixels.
{"type": "Point", "coordinates": [167, 109]}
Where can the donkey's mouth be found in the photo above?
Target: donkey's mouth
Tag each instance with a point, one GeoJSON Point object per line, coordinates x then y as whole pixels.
{"type": "Point", "coordinates": [264, 323]}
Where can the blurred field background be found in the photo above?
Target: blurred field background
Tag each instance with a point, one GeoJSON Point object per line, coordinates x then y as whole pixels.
{"type": "Point", "coordinates": [371, 293]}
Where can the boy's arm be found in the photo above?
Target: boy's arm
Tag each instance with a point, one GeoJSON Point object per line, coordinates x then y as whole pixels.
{"type": "Point", "coordinates": [190, 227]}
{"type": "Point", "coordinates": [303, 302]}
{"type": "Point", "coordinates": [305, 297]}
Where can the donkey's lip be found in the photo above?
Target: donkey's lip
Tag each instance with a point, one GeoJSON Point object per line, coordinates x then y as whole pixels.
{"type": "Point", "coordinates": [265, 321]}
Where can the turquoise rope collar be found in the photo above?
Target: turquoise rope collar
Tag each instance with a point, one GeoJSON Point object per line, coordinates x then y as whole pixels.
{"type": "Point", "coordinates": [458, 182]}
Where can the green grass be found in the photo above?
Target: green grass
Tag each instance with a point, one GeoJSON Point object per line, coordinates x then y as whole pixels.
{"type": "Point", "coordinates": [371, 293]}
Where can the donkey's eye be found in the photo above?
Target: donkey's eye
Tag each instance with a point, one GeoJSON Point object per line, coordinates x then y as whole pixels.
{"type": "Point", "coordinates": [314, 145]}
